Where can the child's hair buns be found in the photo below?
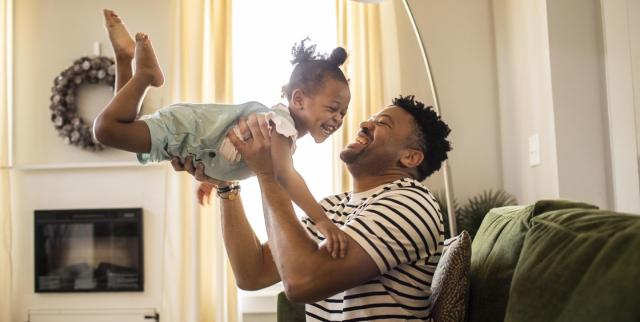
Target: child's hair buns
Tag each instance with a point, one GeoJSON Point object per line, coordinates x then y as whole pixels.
{"type": "Point", "coordinates": [302, 53]}
{"type": "Point", "coordinates": [338, 56]}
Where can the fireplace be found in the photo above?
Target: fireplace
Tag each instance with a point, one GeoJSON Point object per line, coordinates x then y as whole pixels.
{"type": "Point", "coordinates": [89, 250]}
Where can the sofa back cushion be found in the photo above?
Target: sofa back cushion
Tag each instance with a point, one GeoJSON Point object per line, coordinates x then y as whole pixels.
{"type": "Point", "coordinates": [495, 252]}
{"type": "Point", "coordinates": [578, 265]}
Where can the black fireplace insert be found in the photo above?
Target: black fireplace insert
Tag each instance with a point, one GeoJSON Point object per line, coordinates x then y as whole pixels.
{"type": "Point", "coordinates": [89, 250]}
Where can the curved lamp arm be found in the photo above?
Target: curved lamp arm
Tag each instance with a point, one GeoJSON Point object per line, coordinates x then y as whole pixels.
{"type": "Point", "coordinates": [446, 171]}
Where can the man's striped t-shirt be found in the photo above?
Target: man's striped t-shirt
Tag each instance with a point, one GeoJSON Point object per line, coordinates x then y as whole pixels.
{"type": "Point", "coordinates": [400, 226]}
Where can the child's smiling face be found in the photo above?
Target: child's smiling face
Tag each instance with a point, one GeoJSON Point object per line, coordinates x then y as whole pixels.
{"type": "Point", "coordinates": [321, 114]}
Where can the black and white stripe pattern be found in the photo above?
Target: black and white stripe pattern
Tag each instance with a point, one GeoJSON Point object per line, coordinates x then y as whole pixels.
{"type": "Point", "coordinates": [400, 227]}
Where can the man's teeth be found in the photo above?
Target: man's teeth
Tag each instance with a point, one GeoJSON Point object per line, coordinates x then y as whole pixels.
{"type": "Point", "coordinates": [362, 140]}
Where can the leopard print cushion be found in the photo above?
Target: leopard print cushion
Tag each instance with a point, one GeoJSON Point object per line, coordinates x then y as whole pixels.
{"type": "Point", "coordinates": [450, 285]}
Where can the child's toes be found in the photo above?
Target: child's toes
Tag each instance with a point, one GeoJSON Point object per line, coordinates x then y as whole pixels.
{"type": "Point", "coordinates": [140, 36]}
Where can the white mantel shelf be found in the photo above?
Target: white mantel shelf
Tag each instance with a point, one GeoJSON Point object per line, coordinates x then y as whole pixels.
{"type": "Point", "coordinates": [84, 165]}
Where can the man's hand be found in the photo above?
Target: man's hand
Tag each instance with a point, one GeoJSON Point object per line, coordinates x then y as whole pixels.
{"type": "Point", "coordinates": [207, 183]}
{"type": "Point", "coordinates": [255, 150]}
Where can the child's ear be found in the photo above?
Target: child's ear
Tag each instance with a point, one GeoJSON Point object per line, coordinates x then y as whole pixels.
{"type": "Point", "coordinates": [297, 99]}
{"type": "Point", "coordinates": [411, 158]}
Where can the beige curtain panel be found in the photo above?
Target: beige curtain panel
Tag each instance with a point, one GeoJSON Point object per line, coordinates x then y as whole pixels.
{"type": "Point", "coordinates": [5, 146]}
{"type": "Point", "coordinates": [360, 33]}
{"type": "Point", "coordinates": [198, 283]}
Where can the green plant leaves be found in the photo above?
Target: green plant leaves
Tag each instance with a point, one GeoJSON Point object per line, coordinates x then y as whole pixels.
{"type": "Point", "coordinates": [470, 215]}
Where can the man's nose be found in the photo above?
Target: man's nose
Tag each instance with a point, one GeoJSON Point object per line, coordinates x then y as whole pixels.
{"type": "Point", "coordinates": [366, 124]}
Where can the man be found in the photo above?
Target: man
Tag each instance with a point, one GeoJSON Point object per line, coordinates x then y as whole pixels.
{"type": "Point", "coordinates": [393, 222]}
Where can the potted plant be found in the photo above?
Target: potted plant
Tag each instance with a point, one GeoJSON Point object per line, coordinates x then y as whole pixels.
{"type": "Point", "coordinates": [470, 215]}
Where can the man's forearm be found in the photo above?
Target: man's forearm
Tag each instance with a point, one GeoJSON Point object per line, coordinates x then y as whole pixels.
{"type": "Point", "coordinates": [292, 249]}
{"type": "Point", "coordinates": [251, 261]}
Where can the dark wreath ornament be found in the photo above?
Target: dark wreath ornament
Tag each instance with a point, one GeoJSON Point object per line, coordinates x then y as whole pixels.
{"type": "Point", "coordinates": [64, 111]}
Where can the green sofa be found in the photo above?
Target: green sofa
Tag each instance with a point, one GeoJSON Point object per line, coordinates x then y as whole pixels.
{"type": "Point", "coordinates": [554, 261]}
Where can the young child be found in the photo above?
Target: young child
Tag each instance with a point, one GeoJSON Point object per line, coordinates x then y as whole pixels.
{"type": "Point", "coordinates": [317, 94]}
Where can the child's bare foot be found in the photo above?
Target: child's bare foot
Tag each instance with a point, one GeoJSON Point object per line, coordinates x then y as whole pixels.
{"type": "Point", "coordinates": [121, 41]}
{"type": "Point", "coordinates": [146, 61]}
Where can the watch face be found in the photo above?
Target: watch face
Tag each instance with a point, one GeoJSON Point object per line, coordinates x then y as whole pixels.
{"type": "Point", "coordinates": [229, 192]}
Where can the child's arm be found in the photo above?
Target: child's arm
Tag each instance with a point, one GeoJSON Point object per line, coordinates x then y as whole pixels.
{"type": "Point", "coordinates": [291, 181]}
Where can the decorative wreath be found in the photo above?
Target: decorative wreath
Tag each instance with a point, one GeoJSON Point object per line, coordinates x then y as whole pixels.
{"type": "Point", "coordinates": [64, 111]}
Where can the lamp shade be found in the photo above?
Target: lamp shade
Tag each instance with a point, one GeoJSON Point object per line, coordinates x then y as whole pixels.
{"type": "Point", "coordinates": [368, 1]}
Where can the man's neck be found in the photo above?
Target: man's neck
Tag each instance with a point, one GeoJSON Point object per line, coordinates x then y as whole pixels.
{"type": "Point", "coordinates": [364, 183]}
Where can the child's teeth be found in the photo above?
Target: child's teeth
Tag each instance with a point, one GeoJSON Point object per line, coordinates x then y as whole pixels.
{"type": "Point", "coordinates": [328, 129]}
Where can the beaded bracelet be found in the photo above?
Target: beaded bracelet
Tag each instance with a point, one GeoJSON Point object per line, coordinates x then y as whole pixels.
{"type": "Point", "coordinates": [229, 192]}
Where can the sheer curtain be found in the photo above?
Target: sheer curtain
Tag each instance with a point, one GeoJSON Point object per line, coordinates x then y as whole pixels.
{"type": "Point", "coordinates": [268, 50]}
{"type": "Point", "coordinates": [5, 152]}
{"type": "Point", "coordinates": [359, 30]}
{"type": "Point", "coordinates": [198, 283]}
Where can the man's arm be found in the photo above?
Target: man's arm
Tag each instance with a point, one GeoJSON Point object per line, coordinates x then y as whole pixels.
{"type": "Point", "coordinates": [308, 271]}
{"type": "Point", "coordinates": [299, 192]}
{"type": "Point", "coordinates": [251, 261]}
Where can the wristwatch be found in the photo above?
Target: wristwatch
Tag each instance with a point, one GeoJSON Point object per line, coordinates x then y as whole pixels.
{"type": "Point", "coordinates": [229, 192]}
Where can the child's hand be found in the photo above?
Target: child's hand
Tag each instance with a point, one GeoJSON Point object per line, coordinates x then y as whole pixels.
{"type": "Point", "coordinates": [337, 241]}
{"type": "Point", "coordinates": [204, 192]}
{"type": "Point", "coordinates": [207, 184]}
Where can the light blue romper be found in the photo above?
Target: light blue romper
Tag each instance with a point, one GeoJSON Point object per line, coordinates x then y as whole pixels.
{"type": "Point", "coordinates": [198, 130]}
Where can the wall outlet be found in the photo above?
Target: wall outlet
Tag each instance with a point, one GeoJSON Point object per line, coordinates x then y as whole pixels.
{"type": "Point", "coordinates": [534, 150]}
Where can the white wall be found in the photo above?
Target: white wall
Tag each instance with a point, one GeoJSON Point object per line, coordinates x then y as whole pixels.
{"type": "Point", "coordinates": [526, 102]}
{"type": "Point", "coordinates": [634, 44]}
{"type": "Point", "coordinates": [49, 36]}
{"type": "Point", "coordinates": [460, 43]}
{"type": "Point", "coordinates": [551, 82]}
{"type": "Point", "coordinates": [48, 174]}
{"type": "Point", "coordinates": [579, 100]}
{"type": "Point", "coordinates": [86, 188]}
{"type": "Point", "coordinates": [616, 17]}
{"type": "Point", "coordinates": [506, 70]}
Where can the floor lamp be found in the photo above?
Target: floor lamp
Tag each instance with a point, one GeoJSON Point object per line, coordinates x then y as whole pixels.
{"type": "Point", "coordinates": [446, 171]}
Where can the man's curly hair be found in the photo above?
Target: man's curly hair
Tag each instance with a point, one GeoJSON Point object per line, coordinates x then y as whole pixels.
{"type": "Point", "coordinates": [430, 134]}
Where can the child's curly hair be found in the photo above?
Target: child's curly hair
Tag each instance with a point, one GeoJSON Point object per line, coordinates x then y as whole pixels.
{"type": "Point", "coordinates": [430, 134]}
{"type": "Point", "coordinates": [311, 68]}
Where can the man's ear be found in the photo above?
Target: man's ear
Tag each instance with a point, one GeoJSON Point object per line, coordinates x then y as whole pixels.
{"type": "Point", "coordinates": [297, 99]}
{"type": "Point", "coordinates": [411, 158]}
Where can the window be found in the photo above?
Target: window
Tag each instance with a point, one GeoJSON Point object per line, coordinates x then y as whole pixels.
{"type": "Point", "coordinates": [263, 34]}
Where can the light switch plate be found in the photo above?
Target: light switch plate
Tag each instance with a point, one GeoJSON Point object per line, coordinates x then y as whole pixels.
{"type": "Point", "coordinates": [534, 150]}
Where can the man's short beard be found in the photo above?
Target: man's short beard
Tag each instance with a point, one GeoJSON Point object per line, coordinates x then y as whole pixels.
{"type": "Point", "coordinates": [348, 157]}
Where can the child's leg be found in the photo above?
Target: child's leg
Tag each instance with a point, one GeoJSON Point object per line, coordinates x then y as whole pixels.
{"type": "Point", "coordinates": [116, 126]}
{"type": "Point", "coordinates": [123, 47]}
